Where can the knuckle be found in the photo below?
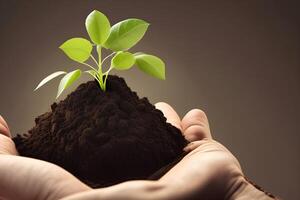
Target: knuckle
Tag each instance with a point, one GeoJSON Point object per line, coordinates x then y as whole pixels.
{"type": "Point", "coordinates": [196, 129]}
{"type": "Point", "coordinates": [195, 132]}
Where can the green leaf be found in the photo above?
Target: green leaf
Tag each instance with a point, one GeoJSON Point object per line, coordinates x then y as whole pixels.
{"type": "Point", "coordinates": [97, 26]}
{"type": "Point", "coordinates": [78, 49]}
{"type": "Point", "coordinates": [67, 80]}
{"type": "Point", "coordinates": [122, 60]}
{"type": "Point", "coordinates": [49, 78]}
{"type": "Point", "coordinates": [126, 34]}
{"type": "Point", "coordinates": [151, 65]}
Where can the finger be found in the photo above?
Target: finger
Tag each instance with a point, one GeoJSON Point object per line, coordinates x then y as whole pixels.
{"type": "Point", "coordinates": [3, 122]}
{"type": "Point", "coordinates": [4, 131]}
{"type": "Point", "coordinates": [195, 126]}
{"type": "Point", "coordinates": [170, 114]}
{"type": "Point", "coordinates": [7, 146]}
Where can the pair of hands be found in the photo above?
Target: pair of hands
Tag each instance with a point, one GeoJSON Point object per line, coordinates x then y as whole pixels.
{"type": "Point", "coordinates": [208, 171]}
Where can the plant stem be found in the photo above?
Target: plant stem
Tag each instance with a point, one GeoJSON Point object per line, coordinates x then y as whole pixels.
{"type": "Point", "coordinates": [107, 57]}
{"type": "Point", "coordinates": [100, 73]}
{"type": "Point", "coordinates": [100, 81]}
{"type": "Point", "coordinates": [89, 66]}
{"type": "Point", "coordinates": [99, 59]}
{"type": "Point", "coordinates": [110, 68]}
{"type": "Point", "coordinates": [106, 75]}
{"type": "Point", "coordinates": [94, 60]}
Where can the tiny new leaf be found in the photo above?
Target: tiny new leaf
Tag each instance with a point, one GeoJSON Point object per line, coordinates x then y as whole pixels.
{"type": "Point", "coordinates": [97, 26]}
{"type": "Point", "coordinates": [67, 80]}
{"type": "Point", "coordinates": [49, 78]}
{"type": "Point", "coordinates": [151, 65]}
{"type": "Point", "coordinates": [122, 60]}
{"type": "Point", "coordinates": [78, 49]}
{"type": "Point", "coordinates": [126, 34]}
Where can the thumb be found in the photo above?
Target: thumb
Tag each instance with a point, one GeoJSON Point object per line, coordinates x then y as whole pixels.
{"type": "Point", "coordinates": [7, 146]}
{"type": "Point", "coordinates": [195, 126]}
{"type": "Point", "coordinates": [4, 127]}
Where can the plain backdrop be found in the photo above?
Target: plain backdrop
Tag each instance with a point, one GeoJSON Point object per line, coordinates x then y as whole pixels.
{"type": "Point", "coordinates": [239, 61]}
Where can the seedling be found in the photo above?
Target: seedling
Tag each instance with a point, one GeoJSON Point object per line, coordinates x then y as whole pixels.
{"type": "Point", "coordinates": [119, 39]}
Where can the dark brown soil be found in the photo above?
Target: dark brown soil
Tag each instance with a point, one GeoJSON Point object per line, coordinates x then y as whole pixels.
{"type": "Point", "coordinates": [104, 138]}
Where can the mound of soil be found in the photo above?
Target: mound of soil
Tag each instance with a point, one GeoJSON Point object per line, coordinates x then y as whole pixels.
{"type": "Point", "coordinates": [103, 138]}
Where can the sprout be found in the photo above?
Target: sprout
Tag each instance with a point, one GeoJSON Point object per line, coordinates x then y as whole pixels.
{"type": "Point", "coordinates": [119, 39]}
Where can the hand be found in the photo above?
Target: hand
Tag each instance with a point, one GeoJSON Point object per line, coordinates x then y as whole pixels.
{"type": "Point", "coordinates": [26, 178]}
{"type": "Point", "coordinates": [209, 171]}
{"type": "Point", "coordinates": [7, 145]}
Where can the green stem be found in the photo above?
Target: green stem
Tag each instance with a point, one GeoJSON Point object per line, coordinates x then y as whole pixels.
{"type": "Point", "coordinates": [89, 66]}
{"type": "Point", "coordinates": [99, 59]}
{"type": "Point", "coordinates": [106, 75]}
{"type": "Point", "coordinates": [95, 76]}
{"type": "Point", "coordinates": [99, 79]}
{"type": "Point", "coordinates": [100, 73]}
{"type": "Point", "coordinates": [110, 68]}
{"type": "Point", "coordinates": [107, 57]}
{"type": "Point", "coordinates": [94, 59]}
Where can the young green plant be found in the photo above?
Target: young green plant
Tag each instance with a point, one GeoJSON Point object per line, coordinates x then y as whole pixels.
{"type": "Point", "coordinates": [119, 39]}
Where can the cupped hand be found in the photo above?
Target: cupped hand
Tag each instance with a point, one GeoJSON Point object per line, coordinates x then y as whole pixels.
{"type": "Point", "coordinates": [27, 178]}
{"type": "Point", "coordinates": [209, 171]}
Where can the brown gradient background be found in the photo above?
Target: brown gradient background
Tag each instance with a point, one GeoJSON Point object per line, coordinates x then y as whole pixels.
{"type": "Point", "coordinates": [237, 60]}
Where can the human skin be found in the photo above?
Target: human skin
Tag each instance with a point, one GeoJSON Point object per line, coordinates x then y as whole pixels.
{"type": "Point", "coordinates": [208, 171]}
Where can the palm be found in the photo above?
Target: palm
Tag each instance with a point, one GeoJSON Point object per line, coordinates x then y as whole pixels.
{"type": "Point", "coordinates": [216, 168]}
